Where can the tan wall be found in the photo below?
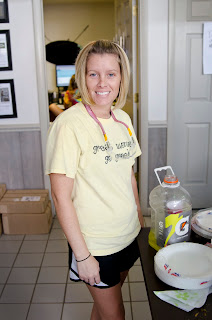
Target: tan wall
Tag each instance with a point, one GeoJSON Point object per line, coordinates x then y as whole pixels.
{"type": "Point", "coordinates": [63, 22]}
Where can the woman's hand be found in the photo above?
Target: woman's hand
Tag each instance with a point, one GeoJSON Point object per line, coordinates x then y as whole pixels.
{"type": "Point", "coordinates": [89, 270]}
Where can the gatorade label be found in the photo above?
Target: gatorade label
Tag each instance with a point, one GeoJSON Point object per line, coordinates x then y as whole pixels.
{"type": "Point", "coordinates": [177, 227]}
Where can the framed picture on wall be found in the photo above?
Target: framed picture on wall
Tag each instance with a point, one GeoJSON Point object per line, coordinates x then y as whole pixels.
{"type": "Point", "coordinates": [4, 15]}
{"type": "Point", "coordinates": [5, 51]}
{"type": "Point", "coordinates": [7, 99]}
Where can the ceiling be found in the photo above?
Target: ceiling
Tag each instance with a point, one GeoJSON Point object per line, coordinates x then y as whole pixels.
{"type": "Point", "coordinates": [75, 1]}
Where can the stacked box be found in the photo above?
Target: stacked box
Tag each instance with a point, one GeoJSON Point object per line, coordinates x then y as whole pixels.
{"type": "Point", "coordinates": [2, 189]}
{"type": "Point", "coordinates": [28, 223]}
{"type": "Point", "coordinates": [24, 201]}
{"type": "Point", "coordinates": [26, 212]}
{"type": "Point", "coordinates": [2, 192]}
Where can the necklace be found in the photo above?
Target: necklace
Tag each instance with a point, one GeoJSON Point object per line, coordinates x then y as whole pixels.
{"type": "Point", "coordinates": [92, 114]}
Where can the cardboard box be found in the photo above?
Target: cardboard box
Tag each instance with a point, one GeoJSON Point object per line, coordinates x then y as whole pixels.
{"type": "Point", "coordinates": [24, 201]}
{"type": "Point", "coordinates": [2, 189]}
{"type": "Point", "coordinates": [28, 223]}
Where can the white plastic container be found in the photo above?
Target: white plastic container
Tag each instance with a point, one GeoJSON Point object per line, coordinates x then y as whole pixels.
{"type": "Point", "coordinates": [171, 212]}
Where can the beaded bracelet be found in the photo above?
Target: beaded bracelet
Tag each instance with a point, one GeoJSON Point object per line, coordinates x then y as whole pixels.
{"type": "Point", "coordinates": [84, 259]}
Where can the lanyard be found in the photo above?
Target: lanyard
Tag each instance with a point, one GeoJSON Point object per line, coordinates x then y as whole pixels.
{"type": "Point", "coordinates": [92, 114]}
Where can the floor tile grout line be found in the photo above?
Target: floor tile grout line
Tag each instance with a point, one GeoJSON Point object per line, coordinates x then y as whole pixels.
{"type": "Point", "coordinates": [6, 282]}
{"type": "Point", "coordinates": [66, 284]}
{"type": "Point", "coordinates": [38, 275]}
{"type": "Point", "coordinates": [65, 291]}
{"type": "Point", "coordinates": [130, 297]}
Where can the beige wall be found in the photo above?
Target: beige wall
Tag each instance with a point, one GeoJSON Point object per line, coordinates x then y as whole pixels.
{"type": "Point", "coordinates": [63, 22]}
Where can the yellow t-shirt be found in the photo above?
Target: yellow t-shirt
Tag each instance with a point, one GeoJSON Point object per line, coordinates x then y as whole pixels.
{"type": "Point", "coordinates": [102, 194]}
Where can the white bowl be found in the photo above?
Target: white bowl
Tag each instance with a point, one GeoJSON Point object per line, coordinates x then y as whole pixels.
{"type": "Point", "coordinates": [184, 265]}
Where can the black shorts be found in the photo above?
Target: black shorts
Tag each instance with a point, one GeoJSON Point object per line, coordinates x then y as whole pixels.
{"type": "Point", "coordinates": [110, 265]}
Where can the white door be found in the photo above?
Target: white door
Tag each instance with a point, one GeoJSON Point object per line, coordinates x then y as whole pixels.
{"type": "Point", "coordinates": [190, 101]}
{"type": "Point", "coordinates": [126, 34]}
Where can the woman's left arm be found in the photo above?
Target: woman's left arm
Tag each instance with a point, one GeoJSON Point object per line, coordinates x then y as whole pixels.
{"type": "Point", "coordinates": [135, 191]}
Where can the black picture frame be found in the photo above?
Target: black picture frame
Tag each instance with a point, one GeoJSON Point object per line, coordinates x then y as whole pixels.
{"type": "Point", "coordinates": [7, 99]}
{"type": "Point", "coordinates": [4, 14]}
{"type": "Point", "coordinates": [9, 56]}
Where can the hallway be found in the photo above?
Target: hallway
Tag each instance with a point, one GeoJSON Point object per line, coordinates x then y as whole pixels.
{"type": "Point", "coordinates": [34, 282]}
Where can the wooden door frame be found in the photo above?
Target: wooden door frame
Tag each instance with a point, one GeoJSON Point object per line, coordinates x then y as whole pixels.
{"type": "Point", "coordinates": [40, 56]}
{"type": "Point", "coordinates": [143, 103]}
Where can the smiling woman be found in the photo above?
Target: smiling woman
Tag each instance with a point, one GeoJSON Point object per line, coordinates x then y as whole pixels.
{"type": "Point", "coordinates": [93, 184]}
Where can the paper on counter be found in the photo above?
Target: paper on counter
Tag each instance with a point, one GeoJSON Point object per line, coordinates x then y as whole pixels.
{"type": "Point", "coordinates": [185, 299]}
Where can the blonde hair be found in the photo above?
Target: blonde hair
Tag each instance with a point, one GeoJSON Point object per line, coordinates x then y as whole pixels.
{"type": "Point", "coordinates": [102, 47]}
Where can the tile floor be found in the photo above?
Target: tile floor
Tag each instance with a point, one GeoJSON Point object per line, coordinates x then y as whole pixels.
{"type": "Point", "coordinates": [34, 282]}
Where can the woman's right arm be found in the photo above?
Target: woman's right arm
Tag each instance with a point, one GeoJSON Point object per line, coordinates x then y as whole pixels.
{"type": "Point", "coordinates": [61, 188]}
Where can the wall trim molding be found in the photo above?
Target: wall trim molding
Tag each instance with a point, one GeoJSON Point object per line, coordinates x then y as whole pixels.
{"type": "Point", "coordinates": [20, 127]}
{"type": "Point", "coordinates": [158, 124]}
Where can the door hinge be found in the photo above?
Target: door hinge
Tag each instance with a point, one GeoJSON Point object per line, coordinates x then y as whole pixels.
{"type": "Point", "coordinates": [136, 97]}
{"type": "Point", "coordinates": [135, 10]}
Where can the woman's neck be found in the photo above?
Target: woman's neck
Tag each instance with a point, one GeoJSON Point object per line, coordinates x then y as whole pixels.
{"type": "Point", "coordinates": [101, 112]}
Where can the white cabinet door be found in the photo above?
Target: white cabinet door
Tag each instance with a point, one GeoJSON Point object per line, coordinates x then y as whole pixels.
{"type": "Point", "coordinates": [190, 101]}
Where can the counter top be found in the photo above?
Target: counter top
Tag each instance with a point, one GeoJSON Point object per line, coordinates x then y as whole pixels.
{"type": "Point", "coordinates": [161, 310]}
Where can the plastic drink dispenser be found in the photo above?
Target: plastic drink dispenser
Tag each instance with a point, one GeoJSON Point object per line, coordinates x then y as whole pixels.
{"type": "Point", "coordinates": [171, 212]}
